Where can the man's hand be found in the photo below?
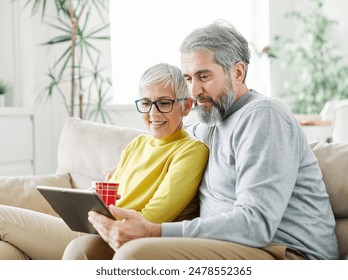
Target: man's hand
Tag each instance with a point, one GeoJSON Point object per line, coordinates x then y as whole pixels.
{"type": "Point", "coordinates": [131, 225]}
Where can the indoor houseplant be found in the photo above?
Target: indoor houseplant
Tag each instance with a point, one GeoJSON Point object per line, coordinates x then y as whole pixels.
{"type": "Point", "coordinates": [77, 68]}
{"type": "Point", "coordinates": [317, 72]}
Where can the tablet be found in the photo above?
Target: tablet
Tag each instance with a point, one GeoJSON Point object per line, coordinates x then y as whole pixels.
{"type": "Point", "coordinates": [73, 205]}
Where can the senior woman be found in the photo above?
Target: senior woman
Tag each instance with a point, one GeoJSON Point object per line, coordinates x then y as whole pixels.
{"type": "Point", "coordinates": [158, 176]}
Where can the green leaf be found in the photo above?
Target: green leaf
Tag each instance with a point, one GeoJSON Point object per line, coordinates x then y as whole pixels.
{"type": "Point", "coordinates": [67, 30]}
{"type": "Point", "coordinates": [58, 39]}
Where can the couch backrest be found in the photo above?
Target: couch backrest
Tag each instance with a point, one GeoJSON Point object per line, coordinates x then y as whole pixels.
{"type": "Point", "coordinates": [87, 148]}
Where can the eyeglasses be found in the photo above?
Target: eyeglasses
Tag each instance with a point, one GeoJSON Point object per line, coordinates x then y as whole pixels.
{"type": "Point", "coordinates": [164, 105]}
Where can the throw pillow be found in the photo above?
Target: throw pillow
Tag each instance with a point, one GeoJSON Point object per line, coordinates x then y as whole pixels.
{"type": "Point", "coordinates": [333, 161]}
{"type": "Point", "coordinates": [21, 191]}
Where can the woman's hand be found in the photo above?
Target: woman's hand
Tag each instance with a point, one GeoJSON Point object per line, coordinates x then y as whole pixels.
{"type": "Point", "coordinates": [108, 172]}
{"type": "Point", "coordinates": [131, 225]}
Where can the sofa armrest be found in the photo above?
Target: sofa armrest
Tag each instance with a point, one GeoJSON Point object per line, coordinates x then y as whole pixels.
{"type": "Point", "coordinates": [21, 191]}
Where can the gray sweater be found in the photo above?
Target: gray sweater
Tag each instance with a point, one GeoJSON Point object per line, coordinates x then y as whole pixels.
{"type": "Point", "coordinates": [262, 183]}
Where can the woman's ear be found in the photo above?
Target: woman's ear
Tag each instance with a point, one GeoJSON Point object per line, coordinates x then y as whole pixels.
{"type": "Point", "coordinates": [187, 106]}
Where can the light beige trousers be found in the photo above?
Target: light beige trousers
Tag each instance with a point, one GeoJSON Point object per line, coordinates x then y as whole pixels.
{"type": "Point", "coordinates": [175, 249]}
{"type": "Point", "coordinates": [26, 234]}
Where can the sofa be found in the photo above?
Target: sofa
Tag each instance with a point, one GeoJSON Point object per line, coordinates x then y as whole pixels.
{"type": "Point", "coordinates": [86, 149]}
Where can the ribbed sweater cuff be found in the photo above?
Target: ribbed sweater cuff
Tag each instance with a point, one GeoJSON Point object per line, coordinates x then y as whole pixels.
{"type": "Point", "coordinates": [172, 229]}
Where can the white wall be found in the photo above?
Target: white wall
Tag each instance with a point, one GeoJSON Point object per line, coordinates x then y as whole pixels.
{"type": "Point", "coordinates": [16, 62]}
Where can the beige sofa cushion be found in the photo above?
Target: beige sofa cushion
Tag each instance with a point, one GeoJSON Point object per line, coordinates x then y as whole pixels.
{"type": "Point", "coordinates": [87, 148]}
{"type": "Point", "coordinates": [333, 161]}
{"type": "Point", "coordinates": [22, 192]}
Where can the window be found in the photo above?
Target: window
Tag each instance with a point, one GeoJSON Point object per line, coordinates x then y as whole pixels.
{"type": "Point", "coordinates": [144, 33]}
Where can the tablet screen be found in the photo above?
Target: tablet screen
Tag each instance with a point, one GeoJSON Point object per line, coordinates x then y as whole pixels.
{"type": "Point", "coordinates": [73, 205]}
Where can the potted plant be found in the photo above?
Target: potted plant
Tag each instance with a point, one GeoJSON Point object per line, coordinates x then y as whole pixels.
{"type": "Point", "coordinates": [78, 66]}
{"type": "Point", "coordinates": [3, 91]}
{"type": "Point", "coordinates": [318, 73]}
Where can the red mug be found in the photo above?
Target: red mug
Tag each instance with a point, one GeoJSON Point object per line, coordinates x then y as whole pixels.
{"type": "Point", "coordinates": [107, 192]}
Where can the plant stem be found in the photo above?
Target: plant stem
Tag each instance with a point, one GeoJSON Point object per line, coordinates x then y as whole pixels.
{"type": "Point", "coordinates": [73, 46]}
{"type": "Point", "coordinates": [80, 80]}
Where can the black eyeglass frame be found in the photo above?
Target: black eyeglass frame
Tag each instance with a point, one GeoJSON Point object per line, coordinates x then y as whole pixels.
{"type": "Point", "coordinates": [155, 103]}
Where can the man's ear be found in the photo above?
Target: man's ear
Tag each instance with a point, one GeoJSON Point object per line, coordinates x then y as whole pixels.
{"type": "Point", "coordinates": [238, 72]}
{"type": "Point", "coordinates": [187, 106]}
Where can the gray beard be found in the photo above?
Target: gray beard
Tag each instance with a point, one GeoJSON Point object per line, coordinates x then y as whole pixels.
{"type": "Point", "coordinates": [218, 111]}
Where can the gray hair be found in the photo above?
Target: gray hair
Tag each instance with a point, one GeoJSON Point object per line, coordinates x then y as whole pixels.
{"type": "Point", "coordinates": [220, 37]}
{"type": "Point", "coordinates": [165, 74]}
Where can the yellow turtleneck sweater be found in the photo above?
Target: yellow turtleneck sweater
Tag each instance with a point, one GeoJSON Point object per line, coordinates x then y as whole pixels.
{"type": "Point", "coordinates": [160, 177]}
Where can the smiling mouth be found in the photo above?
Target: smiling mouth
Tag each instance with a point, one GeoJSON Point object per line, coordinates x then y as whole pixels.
{"type": "Point", "coordinates": [157, 124]}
